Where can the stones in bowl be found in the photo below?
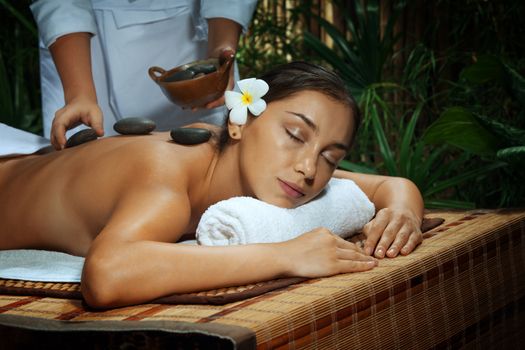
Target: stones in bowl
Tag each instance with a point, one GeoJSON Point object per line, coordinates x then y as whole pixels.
{"type": "Point", "coordinates": [134, 126]}
{"type": "Point", "coordinates": [81, 137]}
{"type": "Point", "coordinates": [190, 136]}
{"type": "Point", "coordinates": [201, 82]}
{"type": "Point", "coordinates": [191, 72]}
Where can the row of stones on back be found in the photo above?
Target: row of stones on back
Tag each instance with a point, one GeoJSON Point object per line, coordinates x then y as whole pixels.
{"type": "Point", "coordinates": [143, 126]}
{"type": "Point", "coordinates": [191, 72]}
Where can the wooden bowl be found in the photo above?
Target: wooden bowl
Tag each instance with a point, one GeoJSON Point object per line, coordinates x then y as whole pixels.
{"type": "Point", "coordinates": [200, 89]}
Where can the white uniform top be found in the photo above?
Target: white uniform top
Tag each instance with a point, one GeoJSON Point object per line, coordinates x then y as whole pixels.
{"type": "Point", "coordinates": [129, 37]}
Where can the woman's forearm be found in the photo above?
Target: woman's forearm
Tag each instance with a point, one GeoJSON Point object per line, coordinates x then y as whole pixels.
{"type": "Point", "coordinates": [387, 191]}
{"type": "Point", "coordinates": [222, 33]}
{"type": "Point", "coordinates": [72, 56]}
{"type": "Point", "coordinates": [136, 272]}
{"type": "Point", "coordinates": [399, 192]}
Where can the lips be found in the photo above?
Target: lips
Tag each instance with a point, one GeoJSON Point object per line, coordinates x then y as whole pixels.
{"type": "Point", "coordinates": [291, 189]}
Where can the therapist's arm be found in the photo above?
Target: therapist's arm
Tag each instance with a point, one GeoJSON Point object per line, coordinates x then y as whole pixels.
{"type": "Point", "coordinates": [72, 56]}
{"type": "Point", "coordinates": [223, 34]}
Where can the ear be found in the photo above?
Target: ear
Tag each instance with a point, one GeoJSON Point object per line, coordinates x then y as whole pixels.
{"type": "Point", "coordinates": [235, 131]}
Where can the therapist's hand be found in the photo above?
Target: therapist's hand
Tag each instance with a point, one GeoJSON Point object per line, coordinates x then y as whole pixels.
{"type": "Point", "coordinates": [223, 35]}
{"type": "Point", "coordinates": [72, 56]}
{"type": "Point", "coordinates": [80, 110]}
{"type": "Point", "coordinates": [220, 101]}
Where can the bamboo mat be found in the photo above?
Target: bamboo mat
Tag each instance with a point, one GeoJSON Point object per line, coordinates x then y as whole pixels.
{"type": "Point", "coordinates": [466, 280]}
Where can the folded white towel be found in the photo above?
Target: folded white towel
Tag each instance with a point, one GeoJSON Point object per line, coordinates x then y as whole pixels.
{"type": "Point", "coordinates": [14, 141]}
{"type": "Point", "coordinates": [40, 265]}
{"type": "Point", "coordinates": [43, 265]}
{"type": "Point", "coordinates": [342, 208]}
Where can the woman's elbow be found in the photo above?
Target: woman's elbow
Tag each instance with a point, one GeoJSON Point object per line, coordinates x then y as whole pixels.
{"type": "Point", "coordinates": [98, 283]}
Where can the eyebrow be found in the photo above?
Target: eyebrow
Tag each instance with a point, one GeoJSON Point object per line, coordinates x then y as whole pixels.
{"type": "Point", "coordinates": [314, 127]}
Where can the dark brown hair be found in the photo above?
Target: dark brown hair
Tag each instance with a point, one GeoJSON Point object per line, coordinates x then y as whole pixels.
{"type": "Point", "coordinates": [290, 78]}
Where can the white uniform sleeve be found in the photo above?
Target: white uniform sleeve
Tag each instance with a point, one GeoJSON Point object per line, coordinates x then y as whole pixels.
{"type": "Point", "coordinates": [60, 17]}
{"type": "Point", "coordinates": [240, 11]}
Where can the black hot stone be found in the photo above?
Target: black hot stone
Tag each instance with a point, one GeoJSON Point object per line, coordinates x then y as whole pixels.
{"type": "Point", "coordinates": [180, 75]}
{"type": "Point", "coordinates": [81, 137]}
{"type": "Point", "coordinates": [190, 136]}
{"type": "Point", "coordinates": [204, 68]}
{"type": "Point", "coordinates": [134, 126]}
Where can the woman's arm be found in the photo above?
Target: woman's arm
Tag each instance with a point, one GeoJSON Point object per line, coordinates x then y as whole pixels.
{"type": "Point", "coordinates": [72, 56]}
{"type": "Point", "coordinates": [132, 260]}
{"type": "Point", "coordinates": [399, 211]}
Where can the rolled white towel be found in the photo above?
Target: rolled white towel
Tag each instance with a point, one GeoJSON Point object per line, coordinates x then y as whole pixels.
{"type": "Point", "coordinates": [342, 208]}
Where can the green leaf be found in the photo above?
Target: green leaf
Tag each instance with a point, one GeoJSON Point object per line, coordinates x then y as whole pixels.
{"type": "Point", "coordinates": [459, 179]}
{"type": "Point", "coordinates": [384, 148]}
{"type": "Point", "coordinates": [28, 24]}
{"type": "Point", "coordinates": [514, 155]}
{"type": "Point", "coordinates": [349, 75]}
{"type": "Point", "coordinates": [420, 169]}
{"type": "Point", "coordinates": [404, 163]}
{"type": "Point", "coordinates": [458, 127]}
{"type": "Point", "coordinates": [506, 134]}
{"type": "Point", "coordinates": [515, 84]}
{"type": "Point", "coordinates": [356, 168]}
{"type": "Point", "coordinates": [487, 68]}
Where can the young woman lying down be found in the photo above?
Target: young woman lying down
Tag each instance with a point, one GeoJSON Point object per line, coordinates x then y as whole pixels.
{"type": "Point", "coordinates": [122, 202]}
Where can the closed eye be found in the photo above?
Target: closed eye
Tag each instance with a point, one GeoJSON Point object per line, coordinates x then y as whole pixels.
{"type": "Point", "coordinates": [293, 137]}
{"type": "Point", "coordinates": [330, 162]}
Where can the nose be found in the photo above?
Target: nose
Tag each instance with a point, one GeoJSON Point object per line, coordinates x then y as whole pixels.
{"type": "Point", "coordinates": [306, 164]}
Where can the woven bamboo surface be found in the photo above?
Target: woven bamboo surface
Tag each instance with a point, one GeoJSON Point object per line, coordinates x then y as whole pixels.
{"type": "Point", "coordinates": [465, 279]}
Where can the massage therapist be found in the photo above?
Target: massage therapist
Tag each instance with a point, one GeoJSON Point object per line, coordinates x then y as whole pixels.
{"type": "Point", "coordinates": [95, 54]}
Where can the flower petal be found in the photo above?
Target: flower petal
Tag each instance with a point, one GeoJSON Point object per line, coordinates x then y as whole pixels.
{"type": "Point", "coordinates": [232, 99]}
{"type": "Point", "coordinates": [245, 84]}
{"type": "Point", "coordinates": [259, 88]}
{"type": "Point", "coordinates": [239, 115]}
{"type": "Point", "coordinates": [257, 107]}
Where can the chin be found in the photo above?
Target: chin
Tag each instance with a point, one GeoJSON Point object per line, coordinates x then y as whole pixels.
{"type": "Point", "coordinates": [286, 203]}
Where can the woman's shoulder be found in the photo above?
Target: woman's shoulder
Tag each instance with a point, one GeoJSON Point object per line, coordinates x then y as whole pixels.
{"type": "Point", "coordinates": [158, 156]}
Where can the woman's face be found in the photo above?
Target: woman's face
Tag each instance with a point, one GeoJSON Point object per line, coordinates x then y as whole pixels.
{"type": "Point", "coordinates": [288, 153]}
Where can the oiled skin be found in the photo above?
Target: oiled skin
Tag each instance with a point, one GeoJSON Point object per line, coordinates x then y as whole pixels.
{"type": "Point", "coordinates": [62, 200]}
{"type": "Point", "coordinates": [124, 201]}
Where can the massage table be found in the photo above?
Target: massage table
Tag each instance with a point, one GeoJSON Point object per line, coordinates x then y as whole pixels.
{"type": "Point", "coordinates": [464, 286]}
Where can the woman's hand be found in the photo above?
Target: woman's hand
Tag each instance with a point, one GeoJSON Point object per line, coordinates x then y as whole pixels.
{"type": "Point", "coordinates": [320, 253]}
{"type": "Point", "coordinates": [393, 230]}
{"type": "Point", "coordinates": [78, 111]}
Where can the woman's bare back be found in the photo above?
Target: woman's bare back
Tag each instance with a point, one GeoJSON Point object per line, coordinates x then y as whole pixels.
{"type": "Point", "coordinates": [62, 200]}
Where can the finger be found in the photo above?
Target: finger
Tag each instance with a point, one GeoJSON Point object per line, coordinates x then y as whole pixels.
{"type": "Point", "coordinates": [344, 244]}
{"type": "Point", "coordinates": [54, 143]}
{"type": "Point", "coordinates": [357, 266]}
{"type": "Point", "coordinates": [413, 241]}
{"type": "Point", "coordinates": [58, 136]}
{"type": "Point", "coordinates": [216, 103]}
{"type": "Point", "coordinates": [97, 124]}
{"type": "Point", "coordinates": [388, 236]}
{"type": "Point", "coordinates": [348, 254]}
{"type": "Point", "coordinates": [400, 240]}
{"type": "Point", "coordinates": [373, 231]}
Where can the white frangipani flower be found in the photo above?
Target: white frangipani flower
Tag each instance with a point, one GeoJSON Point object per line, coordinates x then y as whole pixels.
{"type": "Point", "coordinates": [248, 99]}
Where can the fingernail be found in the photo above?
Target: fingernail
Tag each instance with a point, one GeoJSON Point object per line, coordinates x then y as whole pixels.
{"type": "Point", "coordinates": [380, 252]}
{"type": "Point", "coordinates": [391, 251]}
